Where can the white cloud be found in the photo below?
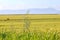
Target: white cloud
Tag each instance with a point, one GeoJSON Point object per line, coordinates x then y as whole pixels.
{"type": "Point", "coordinates": [11, 7]}
{"type": "Point", "coordinates": [25, 5]}
{"type": "Point", "coordinates": [57, 7]}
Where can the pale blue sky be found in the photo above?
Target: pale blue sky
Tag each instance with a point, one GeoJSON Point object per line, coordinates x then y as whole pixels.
{"type": "Point", "coordinates": [27, 4]}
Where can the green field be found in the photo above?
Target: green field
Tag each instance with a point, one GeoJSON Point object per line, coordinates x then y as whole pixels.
{"type": "Point", "coordinates": [30, 27]}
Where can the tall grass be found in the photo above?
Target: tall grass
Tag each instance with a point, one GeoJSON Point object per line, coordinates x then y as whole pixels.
{"type": "Point", "coordinates": [49, 35]}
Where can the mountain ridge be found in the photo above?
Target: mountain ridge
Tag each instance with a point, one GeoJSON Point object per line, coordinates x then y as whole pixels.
{"type": "Point", "coordinates": [32, 11]}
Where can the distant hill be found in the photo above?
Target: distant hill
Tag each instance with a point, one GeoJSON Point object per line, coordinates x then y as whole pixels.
{"type": "Point", "coordinates": [31, 11]}
{"type": "Point", "coordinates": [12, 11]}
{"type": "Point", "coordinates": [45, 11]}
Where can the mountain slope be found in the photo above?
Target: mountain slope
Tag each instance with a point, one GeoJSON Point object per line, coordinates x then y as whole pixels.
{"type": "Point", "coordinates": [31, 11]}
{"type": "Point", "coordinates": [45, 11]}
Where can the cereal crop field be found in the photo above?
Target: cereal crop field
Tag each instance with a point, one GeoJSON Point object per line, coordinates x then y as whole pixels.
{"type": "Point", "coordinates": [30, 27]}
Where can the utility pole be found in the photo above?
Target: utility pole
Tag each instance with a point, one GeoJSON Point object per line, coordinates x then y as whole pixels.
{"type": "Point", "coordinates": [27, 21]}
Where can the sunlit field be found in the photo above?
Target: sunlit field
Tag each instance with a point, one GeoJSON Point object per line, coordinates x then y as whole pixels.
{"type": "Point", "coordinates": [30, 27]}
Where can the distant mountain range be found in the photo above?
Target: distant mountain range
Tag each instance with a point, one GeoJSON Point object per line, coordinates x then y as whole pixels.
{"type": "Point", "coordinates": [31, 11]}
{"type": "Point", "coordinates": [45, 11]}
{"type": "Point", "coordinates": [12, 11]}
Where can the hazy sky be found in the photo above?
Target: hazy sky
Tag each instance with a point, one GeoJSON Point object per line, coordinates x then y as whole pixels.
{"type": "Point", "coordinates": [26, 4]}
